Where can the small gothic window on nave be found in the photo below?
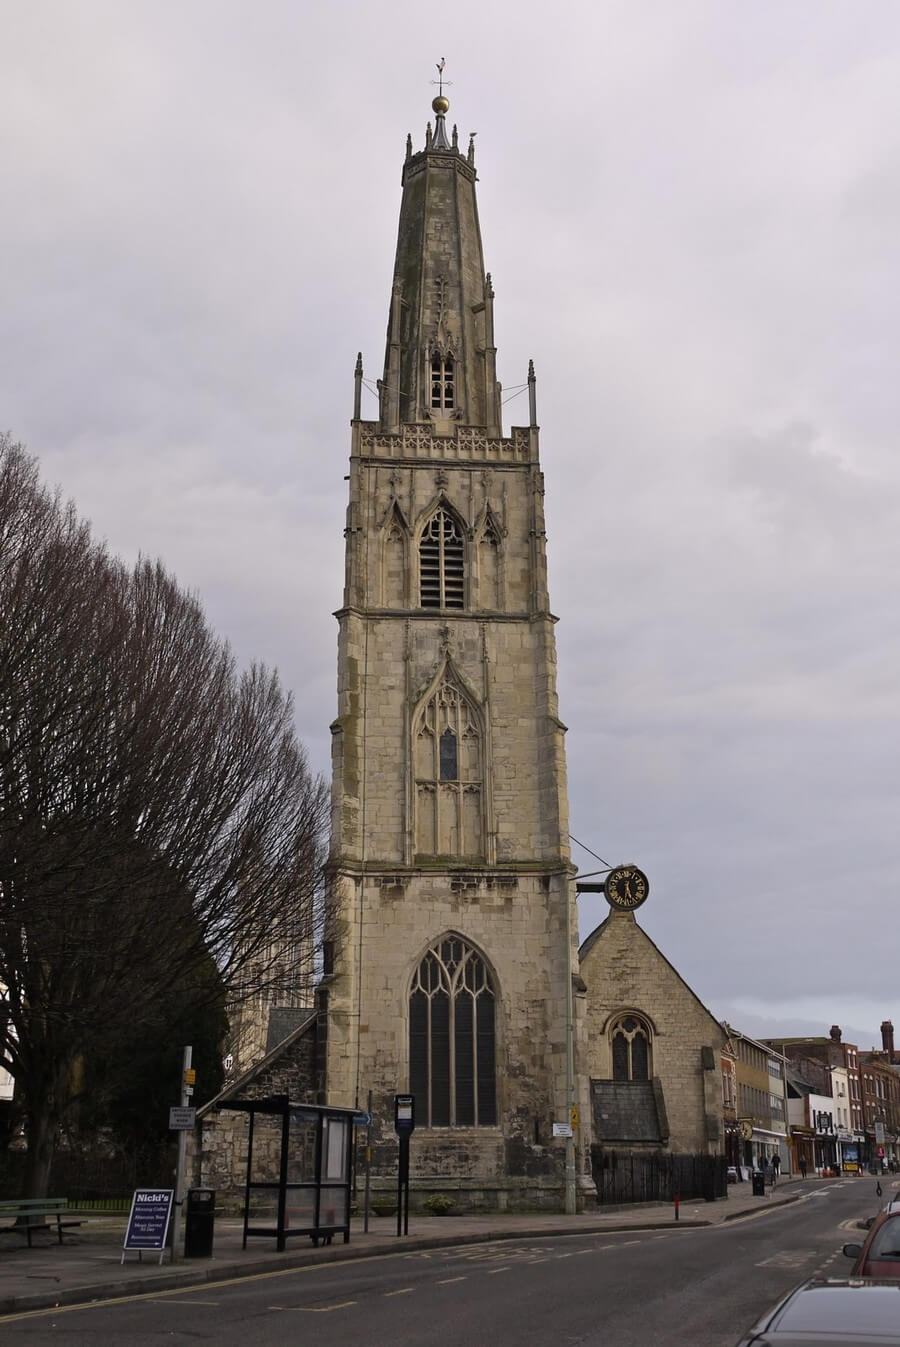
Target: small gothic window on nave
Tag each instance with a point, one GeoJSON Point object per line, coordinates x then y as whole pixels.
{"type": "Point", "coordinates": [630, 1049]}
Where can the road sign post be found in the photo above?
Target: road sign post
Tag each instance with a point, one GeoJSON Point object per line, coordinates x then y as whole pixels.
{"type": "Point", "coordinates": [187, 1089]}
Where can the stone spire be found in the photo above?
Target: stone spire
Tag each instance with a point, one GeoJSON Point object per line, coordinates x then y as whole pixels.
{"type": "Point", "coordinates": [440, 362]}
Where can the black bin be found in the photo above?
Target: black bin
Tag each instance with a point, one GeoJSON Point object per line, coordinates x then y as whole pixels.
{"type": "Point", "coordinates": [198, 1222]}
{"type": "Point", "coordinates": [759, 1184]}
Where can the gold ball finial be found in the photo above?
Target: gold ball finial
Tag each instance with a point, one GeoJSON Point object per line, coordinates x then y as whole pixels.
{"type": "Point", "coordinates": [441, 105]}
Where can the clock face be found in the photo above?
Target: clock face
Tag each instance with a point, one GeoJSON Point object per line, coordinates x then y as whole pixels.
{"type": "Point", "coordinates": [626, 887]}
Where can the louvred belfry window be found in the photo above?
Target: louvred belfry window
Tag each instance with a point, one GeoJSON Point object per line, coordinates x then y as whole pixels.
{"type": "Point", "coordinates": [452, 1069]}
{"type": "Point", "coordinates": [442, 386]}
{"type": "Point", "coordinates": [441, 556]}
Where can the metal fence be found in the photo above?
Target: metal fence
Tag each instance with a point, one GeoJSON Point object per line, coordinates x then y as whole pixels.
{"type": "Point", "coordinates": [653, 1176]}
{"type": "Point", "coordinates": [89, 1176]}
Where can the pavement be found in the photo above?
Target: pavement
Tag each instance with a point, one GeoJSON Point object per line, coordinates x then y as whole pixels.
{"type": "Point", "coordinates": [88, 1265]}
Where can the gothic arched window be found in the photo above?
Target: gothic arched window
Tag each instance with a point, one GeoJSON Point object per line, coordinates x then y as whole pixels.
{"type": "Point", "coordinates": [452, 1050]}
{"type": "Point", "coordinates": [442, 384]}
{"type": "Point", "coordinates": [441, 557]}
{"type": "Point", "coordinates": [449, 774]}
{"type": "Point", "coordinates": [629, 1038]}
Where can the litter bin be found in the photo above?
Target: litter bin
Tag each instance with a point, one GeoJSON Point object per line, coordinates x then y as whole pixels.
{"type": "Point", "coordinates": [199, 1218]}
{"type": "Point", "coordinates": [759, 1183]}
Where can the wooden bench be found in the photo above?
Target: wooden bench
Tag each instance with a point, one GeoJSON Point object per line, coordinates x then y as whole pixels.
{"type": "Point", "coordinates": [36, 1213]}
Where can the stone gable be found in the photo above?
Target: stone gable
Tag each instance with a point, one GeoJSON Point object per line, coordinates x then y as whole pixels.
{"type": "Point", "coordinates": [623, 971]}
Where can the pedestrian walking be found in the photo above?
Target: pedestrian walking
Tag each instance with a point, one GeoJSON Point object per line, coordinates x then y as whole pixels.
{"type": "Point", "coordinates": [803, 1168]}
{"type": "Point", "coordinates": [776, 1166]}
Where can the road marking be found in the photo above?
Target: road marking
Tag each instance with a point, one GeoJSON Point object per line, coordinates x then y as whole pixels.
{"type": "Point", "coordinates": [448, 1281]}
{"type": "Point", "coordinates": [792, 1258]}
{"type": "Point", "coordinates": [492, 1271]}
{"type": "Point", "coordinates": [315, 1309]}
{"type": "Point", "coordinates": [404, 1291]}
{"type": "Point", "coordinates": [537, 1260]}
{"type": "Point", "coordinates": [168, 1300]}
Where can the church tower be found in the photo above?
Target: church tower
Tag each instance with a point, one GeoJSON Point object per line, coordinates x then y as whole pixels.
{"type": "Point", "coordinates": [454, 944]}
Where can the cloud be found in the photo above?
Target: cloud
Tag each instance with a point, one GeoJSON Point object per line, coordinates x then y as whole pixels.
{"type": "Point", "coordinates": [690, 218]}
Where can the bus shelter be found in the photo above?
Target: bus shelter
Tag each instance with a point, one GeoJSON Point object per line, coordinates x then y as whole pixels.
{"type": "Point", "coordinates": [299, 1162]}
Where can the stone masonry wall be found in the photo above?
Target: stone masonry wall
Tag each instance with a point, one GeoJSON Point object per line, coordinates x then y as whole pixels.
{"type": "Point", "coordinates": [624, 970]}
{"type": "Point", "coordinates": [222, 1159]}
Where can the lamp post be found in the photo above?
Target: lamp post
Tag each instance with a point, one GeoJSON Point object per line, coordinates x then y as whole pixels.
{"type": "Point", "coordinates": [571, 1204]}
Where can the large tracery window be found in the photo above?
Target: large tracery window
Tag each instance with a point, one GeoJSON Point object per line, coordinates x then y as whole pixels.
{"type": "Point", "coordinates": [441, 553]}
{"type": "Point", "coordinates": [452, 1070]}
{"type": "Point", "coordinates": [630, 1044]}
{"type": "Point", "coordinates": [442, 383]}
{"type": "Point", "coordinates": [447, 753]}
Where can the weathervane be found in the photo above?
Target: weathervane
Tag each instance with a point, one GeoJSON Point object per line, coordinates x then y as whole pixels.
{"type": "Point", "coordinates": [440, 79]}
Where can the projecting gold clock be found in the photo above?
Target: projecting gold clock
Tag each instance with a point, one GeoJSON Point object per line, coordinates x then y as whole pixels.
{"type": "Point", "coordinates": [626, 887]}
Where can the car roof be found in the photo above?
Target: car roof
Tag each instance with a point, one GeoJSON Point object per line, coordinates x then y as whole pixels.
{"type": "Point", "coordinates": [850, 1312]}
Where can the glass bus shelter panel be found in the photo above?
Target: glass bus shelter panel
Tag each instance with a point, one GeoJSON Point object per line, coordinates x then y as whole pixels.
{"type": "Point", "coordinates": [266, 1156]}
{"type": "Point", "coordinates": [262, 1204]}
{"type": "Point", "coordinates": [301, 1154]}
{"type": "Point", "coordinates": [335, 1147]}
{"type": "Point", "coordinates": [334, 1205]}
{"type": "Point", "coordinates": [300, 1208]}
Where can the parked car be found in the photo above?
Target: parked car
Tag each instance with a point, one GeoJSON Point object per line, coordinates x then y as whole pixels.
{"type": "Point", "coordinates": [879, 1254]}
{"type": "Point", "coordinates": [833, 1313]}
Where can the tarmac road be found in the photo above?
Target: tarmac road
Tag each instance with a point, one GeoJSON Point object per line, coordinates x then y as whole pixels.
{"type": "Point", "coordinates": [630, 1288]}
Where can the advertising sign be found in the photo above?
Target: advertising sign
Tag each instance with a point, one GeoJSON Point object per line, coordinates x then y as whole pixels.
{"type": "Point", "coordinates": [148, 1221]}
{"type": "Point", "coordinates": [850, 1157]}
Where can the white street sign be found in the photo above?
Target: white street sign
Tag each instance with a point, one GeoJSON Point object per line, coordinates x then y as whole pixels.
{"type": "Point", "coordinates": [182, 1119]}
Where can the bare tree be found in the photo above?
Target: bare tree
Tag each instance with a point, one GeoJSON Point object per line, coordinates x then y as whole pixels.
{"type": "Point", "coordinates": [155, 805]}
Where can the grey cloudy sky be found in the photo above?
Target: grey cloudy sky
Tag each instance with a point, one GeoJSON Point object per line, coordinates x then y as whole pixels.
{"type": "Point", "coordinates": [691, 212]}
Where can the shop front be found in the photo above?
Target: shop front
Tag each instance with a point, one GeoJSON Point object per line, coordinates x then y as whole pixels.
{"type": "Point", "coordinates": [825, 1141]}
{"type": "Point", "coordinates": [803, 1150]}
{"type": "Point", "coordinates": [849, 1154]}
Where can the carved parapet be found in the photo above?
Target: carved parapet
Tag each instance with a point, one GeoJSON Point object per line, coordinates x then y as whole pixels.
{"type": "Point", "coordinates": [468, 444]}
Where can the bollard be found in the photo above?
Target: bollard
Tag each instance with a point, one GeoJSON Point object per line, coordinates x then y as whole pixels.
{"type": "Point", "coordinates": [677, 1199]}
